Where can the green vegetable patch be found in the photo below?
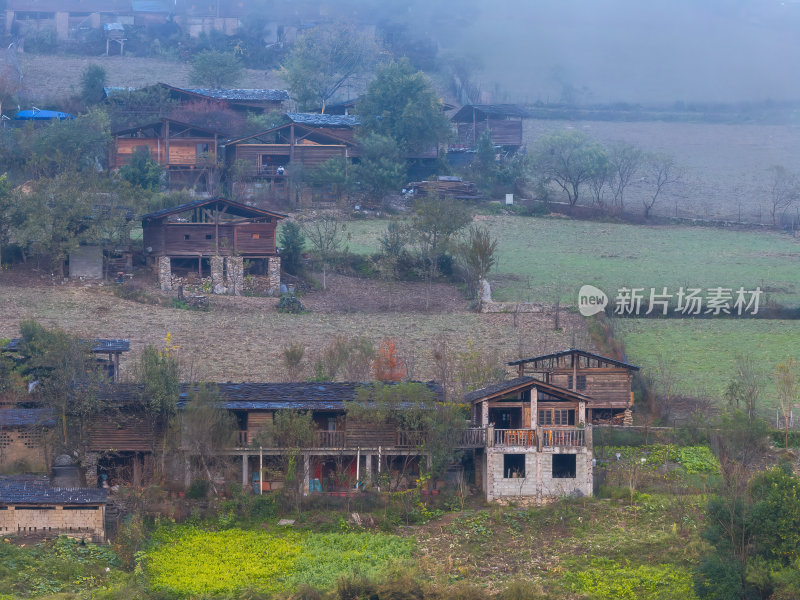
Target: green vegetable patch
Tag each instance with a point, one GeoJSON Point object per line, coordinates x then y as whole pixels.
{"type": "Point", "coordinates": [190, 561]}
{"type": "Point", "coordinates": [609, 580]}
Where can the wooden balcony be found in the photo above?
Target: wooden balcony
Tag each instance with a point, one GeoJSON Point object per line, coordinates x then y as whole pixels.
{"type": "Point", "coordinates": [570, 437]}
{"type": "Point", "coordinates": [515, 437]}
{"type": "Point", "coordinates": [474, 437]}
{"type": "Point", "coordinates": [329, 439]}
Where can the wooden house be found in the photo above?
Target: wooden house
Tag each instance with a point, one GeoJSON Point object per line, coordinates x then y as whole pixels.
{"type": "Point", "coordinates": [205, 231]}
{"type": "Point", "coordinates": [538, 443]}
{"type": "Point", "coordinates": [242, 100]}
{"type": "Point", "coordinates": [340, 451]}
{"type": "Point", "coordinates": [266, 161]}
{"type": "Point", "coordinates": [31, 506]}
{"type": "Point", "coordinates": [502, 121]}
{"type": "Point", "coordinates": [607, 381]}
{"type": "Point", "coordinates": [188, 153]}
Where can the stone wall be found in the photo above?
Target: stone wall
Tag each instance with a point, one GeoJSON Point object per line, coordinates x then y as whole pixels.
{"type": "Point", "coordinates": [164, 266]}
{"type": "Point", "coordinates": [274, 275]}
{"type": "Point", "coordinates": [234, 274]}
{"type": "Point", "coordinates": [511, 307]}
{"type": "Point", "coordinates": [49, 520]}
{"type": "Point", "coordinates": [217, 275]}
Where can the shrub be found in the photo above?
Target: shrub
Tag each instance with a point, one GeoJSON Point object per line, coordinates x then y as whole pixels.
{"type": "Point", "coordinates": [290, 304]}
{"type": "Point", "coordinates": [198, 489]}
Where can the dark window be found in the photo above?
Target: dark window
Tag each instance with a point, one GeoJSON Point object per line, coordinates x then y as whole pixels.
{"type": "Point", "coordinates": [564, 466]}
{"type": "Point", "coordinates": [202, 149]}
{"type": "Point", "coordinates": [209, 236]}
{"type": "Point", "coordinates": [545, 417]}
{"type": "Point", "coordinates": [581, 382]}
{"type": "Point", "coordinates": [514, 466]}
{"type": "Point", "coordinates": [186, 236]}
{"type": "Point", "coordinates": [557, 416]}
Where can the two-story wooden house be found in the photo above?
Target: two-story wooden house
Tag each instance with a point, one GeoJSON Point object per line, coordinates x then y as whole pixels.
{"type": "Point", "coordinates": [187, 153]}
{"type": "Point", "coordinates": [607, 381]}
{"type": "Point", "coordinates": [204, 232]}
{"type": "Point", "coordinates": [502, 121]}
{"type": "Point", "coordinates": [537, 441]}
{"type": "Point", "coordinates": [266, 162]}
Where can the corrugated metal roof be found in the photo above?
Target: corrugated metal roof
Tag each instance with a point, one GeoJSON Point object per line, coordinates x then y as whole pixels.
{"type": "Point", "coordinates": [318, 120]}
{"type": "Point", "coordinates": [26, 417]}
{"type": "Point", "coordinates": [244, 95]}
{"type": "Point", "coordinates": [37, 490]}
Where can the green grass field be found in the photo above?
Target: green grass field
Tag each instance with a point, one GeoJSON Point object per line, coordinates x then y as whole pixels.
{"type": "Point", "coordinates": [702, 353]}
{"type": "Point", "coordinates": [541, 257]}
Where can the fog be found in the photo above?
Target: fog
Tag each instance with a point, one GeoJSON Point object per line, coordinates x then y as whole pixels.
{"type": "Point", "coordinates": [639, 51]}
{"type": "Point", "coordinates": [648, 51]}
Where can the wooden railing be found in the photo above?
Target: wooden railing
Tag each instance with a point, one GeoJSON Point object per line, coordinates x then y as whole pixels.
{"type": "Point", "coordinates": [563, 437]}
{"type": "Point", "coordinates": [329, 439]}
{"type": "Point", "coordinates": [474, 437]}
{"type": "Point", "coordinates": [243, 438]}
{"type": "Point", "coordinates": [514, 437]}
{"type": "Point", "coordinates": [409, 439]}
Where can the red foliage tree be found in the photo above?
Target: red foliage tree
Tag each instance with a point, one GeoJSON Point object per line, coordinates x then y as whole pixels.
{"type": "Point", "coordinates": [388, 365]}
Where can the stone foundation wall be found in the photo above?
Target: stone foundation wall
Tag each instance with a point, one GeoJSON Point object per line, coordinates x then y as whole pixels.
{"type": "Point", "coordinates": [164, 266]}
{"type": "Point", "coordinates": [234, 274]}
{"type": "Point", "coordinates": [53, 519]}
{"type": "Point", "coordinates": [274, 275]}
{"type": "Point", "coordinates": [217, 275]}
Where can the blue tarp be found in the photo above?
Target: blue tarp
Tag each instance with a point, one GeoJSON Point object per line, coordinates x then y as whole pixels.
{"type": "Point", "coordinates": [42, 115]}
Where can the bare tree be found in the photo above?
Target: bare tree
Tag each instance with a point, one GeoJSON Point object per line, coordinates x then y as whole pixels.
{"type": "Point", "coordinates": [744, 390]}
{"type": "Point", "coordinates": [570, 159]}
{"type": "Point", "coordinates": [326, 236]}
{"type": "Point", "coordinates": [784, 190]}
{"type": "Point", "coordinates": [788, 385]}
{"type": "Point", "coordinates": [625, 161]}
{"type": "Point", "coordinates": [662, 172]}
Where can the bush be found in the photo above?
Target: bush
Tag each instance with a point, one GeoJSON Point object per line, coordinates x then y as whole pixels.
{"type": "Point", "coordinates": [198, 489]}
{"type": "Point", "coordinates": [290, 304]}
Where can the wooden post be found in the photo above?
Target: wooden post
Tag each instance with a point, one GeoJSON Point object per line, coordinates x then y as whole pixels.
{"type": "Point", "coordinates": [244, 470]}
{"type": "Point", "coordinates": [260, 470]}
{"type": "Point", "coordinates": [137, 470]}
{"type": "Point", "coordinates": [166, 142]}
{"type": "Point", "coordinates": [306, 473]}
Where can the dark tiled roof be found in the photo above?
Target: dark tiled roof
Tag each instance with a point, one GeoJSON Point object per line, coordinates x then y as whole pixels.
{"type": "Point", "coordinates": [518, 383]}
{"type": "Point", "coordinates": [241, 94]}
{"type": "Point", "coordinates": [241, 210]}
{"type": "Point", "coordinates": [26, 417]}
{"type": "Point", "coordinates": [298, 396]}
{"type": "Point", "coordinates": [497, 388]}
{"type": "Point", "coordinates": [612, 361]}
{"type": "Point", "coordinates": [495, 110]}
{"type": "Point", "coordinates": [98, 345]}
{"type": "Point", "coordinates": [37, 490]}
{"type": "Point", "coordinates": [317, 120]}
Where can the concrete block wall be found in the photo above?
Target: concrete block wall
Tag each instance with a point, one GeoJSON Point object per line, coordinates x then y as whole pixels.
{"type": "Point", "coordinates": [22, 444]}
{"type": "Point", "coordinates": [52, 519]}
{"type": "Point", "coordinates": [538, 482]}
